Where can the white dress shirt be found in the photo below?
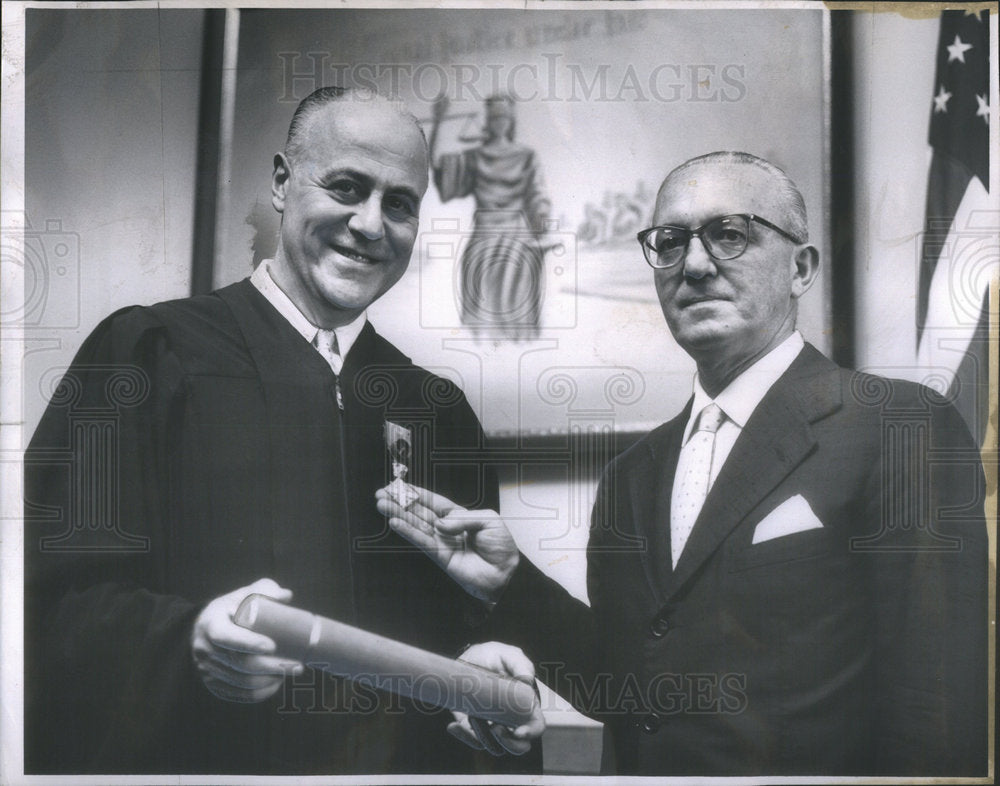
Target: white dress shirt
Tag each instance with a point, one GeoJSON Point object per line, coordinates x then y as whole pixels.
{"type": "Point", "coordinates": [346, 335]}
{"type": "Point", "coordinates": [741, 397]}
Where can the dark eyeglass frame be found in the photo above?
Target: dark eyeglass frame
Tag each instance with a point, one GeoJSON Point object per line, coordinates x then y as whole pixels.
{"type": "Point", "coordinates": [698, 233]}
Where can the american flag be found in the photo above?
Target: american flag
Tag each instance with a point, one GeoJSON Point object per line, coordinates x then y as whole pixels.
{"type": "Point", "coordinates": [959, 248]}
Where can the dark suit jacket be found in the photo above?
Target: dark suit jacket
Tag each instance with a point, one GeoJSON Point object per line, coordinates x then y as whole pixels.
{"type": "Point", "coordinates": [194, 447]}
{"type": "Point", "coordinates": [854, 648]}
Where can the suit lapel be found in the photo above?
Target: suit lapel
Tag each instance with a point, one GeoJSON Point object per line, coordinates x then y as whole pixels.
{"type": "Point", "coordinates": [775, 440]}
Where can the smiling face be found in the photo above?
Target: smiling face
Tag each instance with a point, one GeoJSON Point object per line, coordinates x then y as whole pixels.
{"type": "Point", "coordinates": [730, 312]}
{"type": "Point", "coordinates": [349, 201]}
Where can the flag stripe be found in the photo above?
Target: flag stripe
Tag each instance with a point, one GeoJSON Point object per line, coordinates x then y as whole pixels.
{"type": "Point", "coordinates": [946, 185]}
{"type": "Point", "coordinates": [970, 390]}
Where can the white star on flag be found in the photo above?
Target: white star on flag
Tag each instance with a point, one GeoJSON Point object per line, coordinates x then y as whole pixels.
{"type": "Point", "coordinates": [941, 100]}
{"type": "Point", "coordinates": [984, 109]}
{"type": "Point", "coordinates": [958, 49]}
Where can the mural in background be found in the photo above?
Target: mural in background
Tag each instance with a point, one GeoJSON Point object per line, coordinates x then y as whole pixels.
{"type": "Point", "coordinates": [534, 297]}
{"type": "Point", "coordinates": [500, 267]}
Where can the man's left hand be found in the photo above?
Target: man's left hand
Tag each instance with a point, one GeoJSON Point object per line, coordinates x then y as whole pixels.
{"type": "Point", "coordinates": [494, 737]}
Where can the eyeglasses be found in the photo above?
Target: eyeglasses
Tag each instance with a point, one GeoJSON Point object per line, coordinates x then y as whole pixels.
{"type": "Point", "coordinates": [725, 237]}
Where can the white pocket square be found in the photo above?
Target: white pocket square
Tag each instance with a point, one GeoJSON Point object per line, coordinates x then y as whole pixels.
{"type": "Point", "coordinates": [791, 516]}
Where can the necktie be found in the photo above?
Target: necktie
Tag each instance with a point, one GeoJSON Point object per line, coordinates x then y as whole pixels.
{"type": "Point", "coordinates": [691, 484]}
{"type": "Point", "coordinates": [326, 343]}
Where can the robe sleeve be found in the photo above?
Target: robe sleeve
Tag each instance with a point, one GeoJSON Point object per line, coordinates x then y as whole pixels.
{"type": "Point", "coordinates": [536, 202]}
{"type": "Point", "coordinates": [455, 175]}
{"type": "Point", "coordinates": [471, 482]}
{"type": "Point", "coordinates": [107, 652]}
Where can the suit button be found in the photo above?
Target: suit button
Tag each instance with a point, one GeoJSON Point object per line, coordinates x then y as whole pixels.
{"type": "Point", "coordinates": [658, 627]}
{"type": "Point", "coordinates": [651, 723]}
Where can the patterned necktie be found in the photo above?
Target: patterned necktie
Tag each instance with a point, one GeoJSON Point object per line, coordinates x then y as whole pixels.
{"type": "Point", "coordinates": [326, 342]}
{"type": "Point", "coordinates": [691, 484]}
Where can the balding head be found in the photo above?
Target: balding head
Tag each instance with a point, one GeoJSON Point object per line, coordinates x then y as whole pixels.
{"type": "Point", "coordinates": [345, 98]}
{"type": "Point", "coordinates": [729, 309]}
{"type": "Point", "coordinates": [789, 206]}
{"type": "Point", "coordinates": [348, 189]}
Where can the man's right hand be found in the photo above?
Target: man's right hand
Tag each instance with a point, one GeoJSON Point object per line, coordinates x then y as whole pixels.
{"type": "Point", "coordinates": [474, 547]}
{"type": "Point", "coordinates": [237, 664]}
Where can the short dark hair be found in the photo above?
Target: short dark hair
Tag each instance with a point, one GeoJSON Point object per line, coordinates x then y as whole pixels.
{"type": "Point", "coordinates": [798, 224]}
{"type": "Point", "coordinates": [335, 94]}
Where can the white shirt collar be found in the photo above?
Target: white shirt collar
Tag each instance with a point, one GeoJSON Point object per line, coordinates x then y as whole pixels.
{"type": "Point", "coordinates": [741, 396]}
{"type": "Point", "coordinates": [264, 281]}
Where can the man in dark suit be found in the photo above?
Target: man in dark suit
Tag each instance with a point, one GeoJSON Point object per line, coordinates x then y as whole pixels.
{"type": "Point", "coordinates": [790, 577]}
{"type": "Point", "coordinates": [203, 449]}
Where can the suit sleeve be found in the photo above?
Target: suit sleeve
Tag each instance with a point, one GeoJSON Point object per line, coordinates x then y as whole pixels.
{"type": "Point", "coordinates": [107, 653]}
{"type": "Point", "coordinates": [931, 604]}
{"type": "Point", "coordinates": [556, 631]}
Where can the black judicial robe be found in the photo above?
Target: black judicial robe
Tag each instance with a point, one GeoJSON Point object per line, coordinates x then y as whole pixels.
{"type": "Point", "coordinates": [192, 448]}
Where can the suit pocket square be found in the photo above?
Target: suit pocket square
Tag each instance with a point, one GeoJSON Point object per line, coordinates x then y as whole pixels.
{"type": "Point", "coordinates": [791, 516]}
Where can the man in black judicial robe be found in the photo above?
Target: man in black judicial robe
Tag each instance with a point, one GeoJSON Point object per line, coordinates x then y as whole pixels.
{"type": "Point", "coordinates": [201, 449]}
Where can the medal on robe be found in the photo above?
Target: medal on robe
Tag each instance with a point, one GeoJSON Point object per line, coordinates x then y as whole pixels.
{"type": "Point", "coordinates": [399, 442]}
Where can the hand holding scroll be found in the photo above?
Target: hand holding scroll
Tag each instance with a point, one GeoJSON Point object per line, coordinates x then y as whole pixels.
{"type": "Point", "coordinates": [237, 664]}
{"type": "Point", "coordinates": [496, 738]}
{"type": "Point", "coordinates": [474, 547]}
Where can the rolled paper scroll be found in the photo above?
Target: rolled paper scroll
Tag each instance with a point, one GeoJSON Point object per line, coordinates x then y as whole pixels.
{"type": "Point", "coordinates": [387, 664]}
